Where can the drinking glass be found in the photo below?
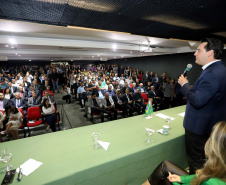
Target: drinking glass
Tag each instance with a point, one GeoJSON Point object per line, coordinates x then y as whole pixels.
{"type": "Point", "coordinates": [148, 133]}
{"type": "Point", "coordinates": [5, 157]}
{"type": "Point", "coordinates": [168, 120]}
{"type": "Point", "coordinates": [165, 129]}
{"type": "Point", "coordinates": [96, 136]}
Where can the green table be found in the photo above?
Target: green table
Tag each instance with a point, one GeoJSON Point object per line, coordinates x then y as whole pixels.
{"type": "Point", "coordinates": [69, 156]}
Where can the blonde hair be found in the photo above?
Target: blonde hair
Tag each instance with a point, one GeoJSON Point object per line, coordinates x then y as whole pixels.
{"type": "Point", "coordinates": [215, 150]}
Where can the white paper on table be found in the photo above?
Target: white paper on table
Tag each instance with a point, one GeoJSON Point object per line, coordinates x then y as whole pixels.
{"type": "Point", "coordinates": [148, 117]}
{"type": "Point", "coordinates": [160, 131]}
{"type": "Point", "coordinates": [148, 129]}
{"type": "Point", "coordinates": [104, 145]}
{"type": "Point", "coordinates": [182, 114]}
{"type": "Point", "coordinates": [29, 166]}
{"type": "Point", "coordinates": [164, 116]}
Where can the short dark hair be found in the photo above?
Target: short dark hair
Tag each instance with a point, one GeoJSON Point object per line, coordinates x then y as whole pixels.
{"type": "Point", "coordinates": [214, 44]}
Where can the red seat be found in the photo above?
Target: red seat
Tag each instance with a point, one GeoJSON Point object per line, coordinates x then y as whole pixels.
{"type": "Point", "coordinates": [34, 117]}
{"type": "Point", "coordinates": [145, 97]}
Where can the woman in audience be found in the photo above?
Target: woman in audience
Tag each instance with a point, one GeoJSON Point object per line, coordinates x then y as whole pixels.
{"type": "Point", "coordinates": [15, 121]}
{"type": "Point", "coordinates": [213, 172]}
{"type": "Point", "coordinates": [48, 110]}
{"type": "Point", "coordinates": [7, 93]}
{"type": "Point", "coordinates": [141, 76]}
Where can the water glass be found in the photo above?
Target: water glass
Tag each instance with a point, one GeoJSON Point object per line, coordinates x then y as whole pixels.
{"type": "Point", "coordinates": [168, 120]}
{"type": "Point", "coordinates": [96, 136]}
{"type": "Point", "coordinates": [165, 129]}
{"type": "Point", "coordinates": [148, 133]}
{"type": "Point", "coordinates": [5, 157]}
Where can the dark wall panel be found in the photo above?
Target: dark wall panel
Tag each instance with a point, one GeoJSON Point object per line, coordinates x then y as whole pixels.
{"type": "Point", "coordinates": [173, 64]}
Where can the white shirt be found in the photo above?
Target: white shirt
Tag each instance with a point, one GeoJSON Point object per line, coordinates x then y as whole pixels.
{"type": "Point", "coordinates": [205, 66]}
{"type": "Point", "coordinates": [48, 110]}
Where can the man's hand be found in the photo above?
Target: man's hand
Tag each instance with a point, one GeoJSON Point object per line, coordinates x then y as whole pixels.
{"type": "Point", "coordinates": [182, 80]}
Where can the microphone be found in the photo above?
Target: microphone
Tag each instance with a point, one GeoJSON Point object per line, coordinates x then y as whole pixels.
{"type": "Point", "coordinates": [189, 66]}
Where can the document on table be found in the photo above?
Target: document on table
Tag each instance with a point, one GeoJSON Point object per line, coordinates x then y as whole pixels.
{"type": "Point", "coordinates": [164, 116]}
{"type": "Point", "coordinates": [29, 166]}
{"type": "Point", "coordinates": [104, 145]}
{"type": "Point", "coordinates": [182, 114]}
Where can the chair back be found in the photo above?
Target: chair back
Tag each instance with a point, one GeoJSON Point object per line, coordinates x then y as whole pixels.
{"type": "Point", "coordinates": [21, 111]}
{"type": "Point", "coordinates": [33, 113]}
{"type": "Point", "coordinates": [144, 96]}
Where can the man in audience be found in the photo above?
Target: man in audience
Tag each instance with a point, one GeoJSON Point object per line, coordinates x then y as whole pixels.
{"type": "Point", "coordinates": [128, 99]}
{"type": "Point", "coordinates": [139, 101]}
{"type": "Point", "coordinates": [110, 91]}
{"type": "Point", "coordinates": [123, 90]}
{"type": "Point", "coordinates": [96, 106]}
{"type": "Point", "coordinates": [154, 98]}
{"type": "Point", "coordinates": [55, 79]}
{"type": "Point", "coordinates": [169, 93]}
{"type": "Point", "coordinates": [23, 94]}
{"type": "Point", "coordinates": [19, 102]}
{"type": "Point", "coordinates": [148, 87]}
{"type": "Point", "coordinates": [3, 85]}
{"type": "Point", "coordinates": [142, 88]}
{"type": "Point", "coordinates": [80, 91]}
{"type": "Point", "coordinates": [155, 81]}
{"type": "Point", "coordinates": [119, 103]}
{"type": "Point", "coordinates": [13, 89]}
{"type": "Point", "coordinates": [26, 83]}
{"type": "Point", "coordinates": [34, 101]}
{"type": "Point", "coordinates": [33, 89]}
{"type": "Point", "coordinates": [49, 97]}
{"type": "Point", "coordinates": [99, 92]}
{"type": "Point", "coordinates": [133, 89]}
{"type": "Point", "coordinates": [146, 78]}
{"type": "Point", "coordinates": [35, 84]}
{"type": "Point", "coordinates": [4, 106]}
{"type": "Point", "coordinates": [108, 105]}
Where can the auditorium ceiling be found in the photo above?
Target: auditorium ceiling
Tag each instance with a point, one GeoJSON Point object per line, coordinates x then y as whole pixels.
{"type": "Point", "coordinates": [106, 29]}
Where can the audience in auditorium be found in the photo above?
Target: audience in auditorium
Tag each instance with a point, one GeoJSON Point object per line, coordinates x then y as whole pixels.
{"type": "Point", "coordinates": [108, 89]}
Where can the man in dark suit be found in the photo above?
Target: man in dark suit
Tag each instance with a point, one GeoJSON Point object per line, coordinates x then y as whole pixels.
{"type": "Point", "coordinates": [19, 102]}
{"type": "Point", "coordinates": [139, 100]}
{"type": "Point", "coordinates": [123, 90]}
{"type": "Point", "coordinates": [4, 103]}
{"type": "Point", "coordinates": [34, 101]}
{"type": "Point", "coordinates": [23, 94]}
{"type": "Point", "coordinates": [26, 83]}
{"type": "Point", "coordinates": [128, 99]}
{"type": "Point", "coordinates": [206, 100]}
{"type": "Point", "coordinates": [119, 103]}
{"type": "Point", "coordinates": [153, 95]}
{"type": "Point", "coordinates": [146, 77]}
{"type": "Point", "coordinates": [13, 89]}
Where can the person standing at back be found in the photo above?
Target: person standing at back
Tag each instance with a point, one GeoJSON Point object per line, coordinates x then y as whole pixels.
{"type": "Point", "coordinates": [206, 100]}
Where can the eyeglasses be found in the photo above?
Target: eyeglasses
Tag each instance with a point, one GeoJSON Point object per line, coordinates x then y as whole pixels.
{"type": "Point", "coordinates": [20, 174]}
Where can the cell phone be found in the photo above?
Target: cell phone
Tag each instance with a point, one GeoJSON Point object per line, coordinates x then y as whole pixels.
{"type": "Point", "coordinates": [9, 176]}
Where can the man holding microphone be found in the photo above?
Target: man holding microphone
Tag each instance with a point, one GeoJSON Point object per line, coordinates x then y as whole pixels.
{"type": "Point", "coordinates": [206, 100]}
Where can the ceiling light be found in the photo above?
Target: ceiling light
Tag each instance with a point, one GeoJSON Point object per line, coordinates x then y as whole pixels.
{"type": "Point", "coordinates": [131, 52]}
{"type": "Point", "coordinates": [92, 56]}
{"type": "Point", "coordinates": [80, 57]}
{"type": "Point", "coordinates": [19, 55]}
{"type": "Point", "coordinates": [51, 60]}
{"type": "Point", "coordinates": [114, 57]}
{"type": "Point", "coordinates": [114, 47]}
{"type": "Point", "coordinates": [122, 56]}
{"type": "Point", "coordinates": [12, 41]}
{"type": "Point", "coordinates": [16, 53]}
{"type": "Point", "coordinates": [72, 60]}
{"type": "Point", "coordinates": [29, 60]}
{"type": "Point", "coordinates": [12, 47]}
{"type": "Point", "coordinates": [98, 55]}
{"type": "Point", "coordinates": [6, 46]}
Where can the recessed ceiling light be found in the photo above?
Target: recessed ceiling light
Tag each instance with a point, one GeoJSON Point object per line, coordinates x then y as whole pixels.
{"type": "Point", "coordinates": [16, 53]}
{"type": "Point", "coordinates": [80, 57]}
{"type": "Point", "coordinates": [7, 46]}
{"type": "Point", "coordinates": [122, 56]}
{"type": "Point", "coordinates": [98, 55]}
{"type": "Point", "coordinates": [72, 60]}
{"type": "Point", "coordinates": [51, 60]}
{"type": "Point", "coordinates": [29, 60]}
{"type": "Point", "coordinates": [114, 47]}
{"type": "Point", "coordinates": [114, 57]}
{"type": "Point", "coordinates": [131, 52]}
{"type": "Point", "coordinates": [92, 56]}
{"type": "Point", "coordinates": [12, 47]}
{"type": "Point", "coordinates": [19, 55]}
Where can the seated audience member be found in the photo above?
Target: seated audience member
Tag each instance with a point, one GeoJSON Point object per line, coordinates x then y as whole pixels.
{"type": "Point", "coordinates": [48, 110]}
{"type": "Point", "coordinates": [119, 103]}
{"type": "Point", "coordinates": [49, 90]}
{"type": "Point", "coordinates": [14, 84]}
{"type": "Point", "coordinates": [213, 172]}
{"type": "Point", "coordinates": [142, 88]}
{"type": "Point", "coordinates": [139, 100]}
{"type": "Point", "coordinates": [26, 83]}
{"type": "Point", "coordinates": [99, 92]}
{"type": "Point", "coordinates": [13, 89]}
{"type": "Point", "coordinates": [3, 85]}
{"type": "Point", "coordinates": [108, 105]}
{"type": "Point", "coordinates": [110, 91]}
{"type": "Point", "coordinates": [34, 101]}
{"type": "Point", "coordinates": [96, 106]}
{"type": "Point", "coordinates": [154, 98]}
{"type": "Point", "coordinates": [49, 97]}
{"type": "Point", "coordinates": [31, 90]}
{"type": "Point", "coordinates": [128, 99]}
{"type": "Point", "coordinates": [7, 93]}
{"type": "Point", "coordinates": [35, 84]}
{"type": "Point", "coordinates": [19, 102]}
{"type": "Point", "coordinates": [148, 87]}
{"type": "Point", "coordinates": [123, 90]}
{"type": "Point", "coordinates": [23, 87]}
{"type": "Point", "coordinates": [80, 91]}
{"type": "Point", "coordinates": [2, 119]}
{"type": "Point", "coordinates": [14, 122]}
{"type": "Point", "coordinates": [91, 86]}
{"type": "Point", "coordinates": [66, 91]}
{"type": "Point", "coordinates": [23, 94]}
{"type": "Point", "coordinates": [133, 89]}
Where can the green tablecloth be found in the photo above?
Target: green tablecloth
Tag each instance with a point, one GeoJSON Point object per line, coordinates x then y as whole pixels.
{"type": "Point", "coordinates": [69, 156]}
